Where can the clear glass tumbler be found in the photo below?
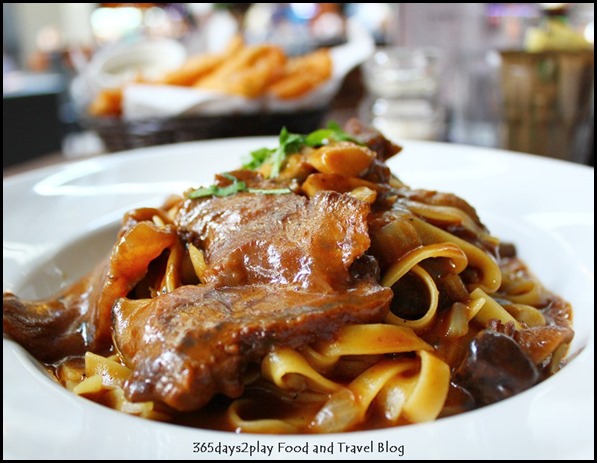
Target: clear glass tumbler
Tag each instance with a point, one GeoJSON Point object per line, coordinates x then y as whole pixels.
{"type": "Point", "coordinates": [403, 93]}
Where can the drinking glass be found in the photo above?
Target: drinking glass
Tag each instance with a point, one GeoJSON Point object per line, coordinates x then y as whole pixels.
{"type": "Point", "coordinates": [403, 93]}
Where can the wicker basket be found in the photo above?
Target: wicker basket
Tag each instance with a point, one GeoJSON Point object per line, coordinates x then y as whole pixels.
{"type": "Point", "coordinates": [119, 135]}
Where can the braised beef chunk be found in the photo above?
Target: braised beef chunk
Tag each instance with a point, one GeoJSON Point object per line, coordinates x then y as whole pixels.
{"type": "Point", "coordinates": [283, 239]}
{"type": "Point", "coordinates": [537, 342]}
{"type": "Point", "coordinates": [33, 324]}
{"type": "Point", "coordinates": [57, 327]}
{"type": "Point", "coordinates": [496, 368]}
{"type": "Point", "coordinates": [278, 272]}
{"type": "Point", "coordinates": [507, 250]}
{"type": "Point", "coordinates": [79, 318]}
{"type": "Point", "coordinates": [371, 137]}
{"type": "Point", "coordinates": [187, 345]}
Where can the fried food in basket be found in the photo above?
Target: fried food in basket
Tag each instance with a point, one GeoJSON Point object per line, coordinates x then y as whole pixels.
{"type": "Point", "coordinates": [250, 71]}
{"type": "Point", "coordinates": [108, 102]}
{"type": "Point", "coordinates": [302, 74]}
{"type": "Point", "coordinates": [198, 67]}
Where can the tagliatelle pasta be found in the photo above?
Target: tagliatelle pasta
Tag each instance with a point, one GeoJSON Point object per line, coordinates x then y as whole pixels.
{"type": "Point", "coordinates": [310, 292]}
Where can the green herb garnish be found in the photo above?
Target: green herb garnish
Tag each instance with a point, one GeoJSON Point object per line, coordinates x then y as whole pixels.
{"type": "Point", "coordinates": [332, 133]}
{"type": "Point", "coordinates": [235, 187]}
{"type": "Point", "coordinates": [272, 191]}
{"type": "Point", "coordinates": [220, 191]}
{"type": "Point", "coordinates": [258, 157]}
{"type": "Point", "coordinates": [290, 143]}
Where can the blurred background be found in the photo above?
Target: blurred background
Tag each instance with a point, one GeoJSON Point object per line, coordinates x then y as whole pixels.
{"type": "Point", "coordinates": [508, 75]}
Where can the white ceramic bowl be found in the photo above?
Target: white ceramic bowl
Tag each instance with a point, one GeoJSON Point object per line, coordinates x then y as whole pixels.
{"type": "Point", "coordinates": [60, 220]}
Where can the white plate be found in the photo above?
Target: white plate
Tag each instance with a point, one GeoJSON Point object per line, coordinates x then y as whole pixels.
{"type": "Point", "coordinates": [59, 221]}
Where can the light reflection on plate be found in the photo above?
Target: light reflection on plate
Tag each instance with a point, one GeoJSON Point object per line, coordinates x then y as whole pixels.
{"type": "Point", "coordinates": [60, 220]}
